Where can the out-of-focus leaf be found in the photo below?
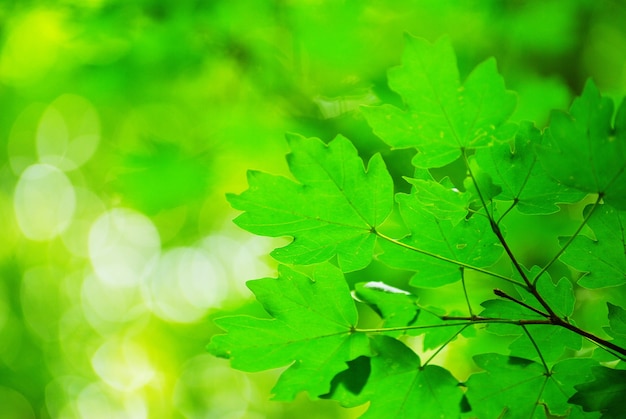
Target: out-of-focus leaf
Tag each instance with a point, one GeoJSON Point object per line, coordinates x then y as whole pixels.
{"type": "Point", "coordinates": [444, 116]}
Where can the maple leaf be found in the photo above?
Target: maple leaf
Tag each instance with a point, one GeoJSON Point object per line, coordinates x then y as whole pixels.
{"type": "Point", "coordinates": [583, 151]}
{"type": "Point", "coordinates": [604, 259]}
{"type": "Point", "coordinates": [605, 393]}
{"type": "Point", "coordinates": [332, 211]}
{"type": "Point", "coordinates": [444, 116]}
{"type": "Point", "coordinates": [400, 387]}
{"type": "Point", "coordinates": [312, 331]}
{"type": "Point", "coordinates": [515, 387]}
{"type": "Point", "coordinates": [437, 247]}
{"type": "Point", "coordinates": [514, 167]}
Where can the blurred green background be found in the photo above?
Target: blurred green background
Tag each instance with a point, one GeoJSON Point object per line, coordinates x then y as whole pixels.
{"type": "Point", "coordinates": [123, 123]}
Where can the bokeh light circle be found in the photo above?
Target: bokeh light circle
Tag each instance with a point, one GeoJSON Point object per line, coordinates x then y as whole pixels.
{"type": "Point", "coordinates": [123, 365]}
{"type": "Point", "coordinates": [186, 284]}
{"type": "Point", "coordinates": [124, 246]}
{"type": "Point", "coordinates": [44, 202]}
{"type": "Point", "coordinates": [68, 132]}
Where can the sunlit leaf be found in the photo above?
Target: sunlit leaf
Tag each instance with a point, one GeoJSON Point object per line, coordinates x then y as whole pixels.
{"type": "Point", "coordinates": [332, 211]}
{"type": "Point", "coordinates": [514, 167]}
{"type": "Point", "coordinates": [396, 307]}
{"type": "Point", "coordinates": [444, 116]}
{"type": "Point", "coordinates": [470, 242]}
{"type": "Point", "coordinates": [311, 331]}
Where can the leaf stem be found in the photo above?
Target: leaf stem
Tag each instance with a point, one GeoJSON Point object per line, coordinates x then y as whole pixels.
{"type": "Point", "coordinates": [445, 259]}
{"type": "Point", "coordinates": [469, 306]}
{"type": "Point", "coordinates": [498, 232]}
{"type": "Point", "coordinates": [467, 321]}
{"type": "Point", "coordinates": [446, 343]}
{"type": "Point", "coordinates": [607, 345]}
{"type": "Point", "coordinates": [503, 294]}
{"type": "Point", "coordinates": [571, 239]}
{"type": "Point", "coordinates": [505, 213]}
{"type": "Point", "coordinates": [532, 340]}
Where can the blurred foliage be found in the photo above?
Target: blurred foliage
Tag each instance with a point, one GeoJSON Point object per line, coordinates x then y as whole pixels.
{"type": "Point", "coordinates": [123, 124]}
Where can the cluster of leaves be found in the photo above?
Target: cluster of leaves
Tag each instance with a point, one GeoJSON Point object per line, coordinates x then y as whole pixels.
{"type": "Point", "coordinates": [340, 214]}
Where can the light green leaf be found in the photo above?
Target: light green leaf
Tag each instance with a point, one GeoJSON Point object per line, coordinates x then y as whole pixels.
{"type": "Point", "coordinates": [515, 169]}
{"type": "Point", "coordinates": [606, 393]}
{"type": "Point", "coordinates": [396, 307]}
{"type": "Point", "coordinates": [445, 203]}
{"type": "Point", "coordinates": [444, 116]}
{"type": "Point", "coordinates": [436, 336]}
{"type": "Point", "coordinates": [400, 388]}
{"type": "Point", "coordinates": [513, 387]}
{"type": "Point", "coordinates": [583, 151]}
{"type": "Point", "coordinates": [312, 331]}
{"type": "Point", "coordinates": [603, 259]}
{"type": "Point", "coordinates": [560, 296]}
{"type": "Point", "coordinates": [470, 242]}
{"type": "Point", "coordinates": [551, 341]}
{"type": "Point", "coordinates": [332, 211]}
{"type": "Point", "coordinates": [509, 310]}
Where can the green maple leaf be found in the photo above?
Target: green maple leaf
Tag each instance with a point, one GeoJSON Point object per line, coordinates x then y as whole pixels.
{"type": "Point", "coordinates": [617, 319]}
{"type": "Point", "coordinates": [514, 167]}
{"type": "Point", "coordinates": [512, 387]}
{"type": "Point", "coordinates": [606, 393]}
{"type": "Point", "coordinates": [550, 340]}
{"type": "Point", "coordinates": [312, 331]}
{"type": "Point", "coordinates": [604, 259]}
{"type": "Point", "coordinates": [332, 211]}
{"type": "Point", "coordinates": [444, 116]}
{"type": "Point", "coordinates": [616, 329]}
{"type": "Point", "coordinates": [400, 387]}
{"type": "Point", "coordinates": [469, 242]}
{"type": "Point", "coordinates": [559, 296]}
{"type": "Point", "coordinates": [446, 203]}
{"type": "Point", "coordinates": [583, 151]}
{"type": "Point", "coordinates": [396, 307]}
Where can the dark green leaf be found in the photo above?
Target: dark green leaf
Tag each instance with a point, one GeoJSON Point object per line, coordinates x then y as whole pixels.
{"type": "Point", "coordinates": [617, 319]}
{"type": "Point", "coordinates": [513, 387]}
{"type": "Point", "coordinates": [606, 393]}
{"type": "Point", "coordinates": [400, 388]}
{"type": "Point", "coordinates": [333, 209]}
